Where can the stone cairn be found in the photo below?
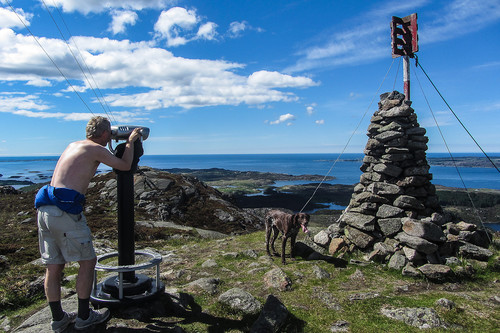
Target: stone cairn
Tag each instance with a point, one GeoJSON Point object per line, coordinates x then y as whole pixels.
{"type": "Point", "coordinates": [394, 213]}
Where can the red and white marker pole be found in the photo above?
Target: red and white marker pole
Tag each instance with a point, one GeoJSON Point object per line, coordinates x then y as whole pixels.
{"type": "Point", "coordinates": [406, 77]}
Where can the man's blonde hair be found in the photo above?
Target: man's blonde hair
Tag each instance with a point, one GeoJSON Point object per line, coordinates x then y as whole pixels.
{"type": "Point", "coordinates": [97, 126]}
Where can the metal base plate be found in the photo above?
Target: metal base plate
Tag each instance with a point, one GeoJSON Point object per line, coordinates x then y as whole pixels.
{"type": "Point", "coordinates": [107, 292]}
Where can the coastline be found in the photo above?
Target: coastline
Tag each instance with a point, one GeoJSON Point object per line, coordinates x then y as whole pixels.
{"type": "Point", "coordinates": [25, 170]}
{"type": "Point", "coordinates": [251, 189]}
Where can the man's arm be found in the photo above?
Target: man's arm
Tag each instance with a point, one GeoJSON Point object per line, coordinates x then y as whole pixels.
{"type": "Point", "coordinates": [125, 162]}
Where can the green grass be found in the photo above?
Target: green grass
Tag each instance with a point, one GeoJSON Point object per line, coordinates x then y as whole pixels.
{"type": "Point", "coordinates": [308, 313]}
{"type": "Point", "coordinates": [240, 187]}
{"type": "Point", "coordinates": [473, 312]}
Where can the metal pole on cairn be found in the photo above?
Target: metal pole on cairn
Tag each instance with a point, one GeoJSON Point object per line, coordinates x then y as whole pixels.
{"type": "Point", "coordinates": [406, 77]}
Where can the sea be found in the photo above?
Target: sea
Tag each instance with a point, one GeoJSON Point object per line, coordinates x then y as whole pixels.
{"type": "Point", "coordinates": [345, 167]}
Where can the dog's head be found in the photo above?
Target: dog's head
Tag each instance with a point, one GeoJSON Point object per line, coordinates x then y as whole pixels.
{"type": "Point", "coordinates": [302, 220]}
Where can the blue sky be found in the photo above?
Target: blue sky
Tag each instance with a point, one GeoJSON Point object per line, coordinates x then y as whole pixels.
{"type": "Point", "coordinates": [222, 77]}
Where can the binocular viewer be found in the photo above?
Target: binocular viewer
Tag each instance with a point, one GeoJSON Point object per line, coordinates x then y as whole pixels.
{"type": "Point", "coordinates": [126, 287]}
{"type": "Point", "coordinates": [122, 132]}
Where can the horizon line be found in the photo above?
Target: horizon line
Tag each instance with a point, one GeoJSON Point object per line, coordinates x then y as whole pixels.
{"type": "Point", "coordinates": [219, 154]}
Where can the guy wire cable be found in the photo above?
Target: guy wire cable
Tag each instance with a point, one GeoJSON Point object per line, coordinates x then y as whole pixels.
{"type": "Point", "coordinates": [396, 76]}
{"type": "Point", "coordinates": [74, 57]}
{"type": "Point", "coordinates": [50, 58]}
{"type": "Point", "coordinates": [452, 158]}
{"type": "Point", "coordinates": [348, 141]}
{"type": "Point", "coordinates": [417, 64]}
{"type": "Point", "coordinates": [85, 63]}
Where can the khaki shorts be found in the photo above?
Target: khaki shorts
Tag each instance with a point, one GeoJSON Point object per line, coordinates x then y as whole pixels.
{"type": "Point", "coordinates": [63, 237]}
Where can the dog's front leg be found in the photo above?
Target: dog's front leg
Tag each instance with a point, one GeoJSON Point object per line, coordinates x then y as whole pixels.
{"type": "Point", "coordinates": [292, 246]}
{"type": "Point", "coordinates": [268, 238]}
{"type": "Point", "coordinates": [275, 235]}
{"type": "Point", "coordinates": [283, 245]}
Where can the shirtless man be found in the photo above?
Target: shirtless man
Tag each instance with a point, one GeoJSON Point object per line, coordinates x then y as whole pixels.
{"type": "Point", "coordinates": [63, 232]}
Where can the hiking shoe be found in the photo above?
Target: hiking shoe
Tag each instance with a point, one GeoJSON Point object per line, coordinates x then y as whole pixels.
{"type": "Point", "coordinates": [95, 317]}
{"type": "Point", "coordinates": [61, 325]}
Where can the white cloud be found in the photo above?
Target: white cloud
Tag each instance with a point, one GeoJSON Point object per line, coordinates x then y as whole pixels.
{"type": "Point", "coordinates": [121, 19]}
{"type": "Point", "coordinates": [485, 106]}
{"type": "Point", "coordinates": [440, 119]}
{"type": "Point", "coordinates": [174, 81]}
{"type": "Point", "coordinates": [346, 48]}
{"type": "Point", "coordinates": [8, 19]}
{"type": "Point", "coordinates": [207, 31]}
{"type": "Point", "coordinates": [368, 39]}
{"type": "Point", "coordinates": [75, 116]}
{"type": "Point", "coordinates": [354, 95]}
{"type": "Point", "coordinates": [32, 106]}
{"type": "Point", "coordinates": [320, 122]}
{"type": "Point", "coordinates": [58, 115]}
{"type": "Point", "coordinates": [163, 79]}
{"type": "Point", "coordinates": [22, 59]}
{"type": "Point", "coordinates": [488, 65]}
{"type": "Point", "coordinates": [310, 109]}
{"type": "Point", "coordinates": [174, 24]}
{"type": "Point", "coordinates": [12, 102]}
{"type": "Point", "coordinates": [178, 25]}
{"type": "Point", "coordinates": [365, 42]}
{"type": "Point", "coordinates": [98, 6]}
{"type": "Point", "coordinates": [284, 118]}
{"type": "Point", "coordinates": [37, 82]}
{"type": "Point", "coordinates": [276, 79]}
{"type": "Point", "coordinates": [458, 18]}
{"type": "Point", "coordinates": [237, 28]}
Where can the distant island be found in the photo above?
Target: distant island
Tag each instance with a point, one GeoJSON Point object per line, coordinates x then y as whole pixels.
{"type": "Point", "coordinates": [466, 162]}
{"type": "Point", "coordinates": [462, 161]}
{"type": "Point", "coordinates": [13, 182]}
{"type": "Point", "coordinates": [218, 174]}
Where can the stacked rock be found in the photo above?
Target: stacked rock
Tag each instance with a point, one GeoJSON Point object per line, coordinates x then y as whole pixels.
{"type": "Point", "coordinates": [394, 213]}
{"type": "Point", "coordinates": [395, 198]}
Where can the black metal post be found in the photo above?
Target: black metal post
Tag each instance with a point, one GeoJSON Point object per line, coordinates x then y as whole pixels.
{"type": "Point", "coordinates": [125, 200]}
{"type": "Point", "coordinates": [126, 234]}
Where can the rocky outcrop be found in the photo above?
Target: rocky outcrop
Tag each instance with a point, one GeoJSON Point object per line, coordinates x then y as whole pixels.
{"type": "Point", "coordinates": [7, 189]}
{"type": "Point", "coordinates": [182, 199]}
{"type": "Point", "coordinates": [272, 318]}
{"type": "Point", "coordinates": [394, 213]}
{"type": "Point", "coordinates": [423, 318]}
{"type": "Point", "coordinates": [239, 300]}
{"type": "Point", "coordinates": [277, 279]}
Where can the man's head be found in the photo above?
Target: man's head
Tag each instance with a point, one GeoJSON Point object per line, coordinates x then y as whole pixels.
{"type": "Point", "coordinates": [97, 126]}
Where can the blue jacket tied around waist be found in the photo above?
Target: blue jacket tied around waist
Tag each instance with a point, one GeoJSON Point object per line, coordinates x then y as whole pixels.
{"type": "Point", "coordinates": [66, 199]}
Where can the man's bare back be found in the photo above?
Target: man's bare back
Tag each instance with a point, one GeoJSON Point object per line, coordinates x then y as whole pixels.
{"type": "Point", "coordinates": [78, 163]}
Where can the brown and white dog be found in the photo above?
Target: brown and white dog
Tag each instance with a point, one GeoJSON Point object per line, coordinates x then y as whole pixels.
{"type": "Point", "coordinates": [289, 225]}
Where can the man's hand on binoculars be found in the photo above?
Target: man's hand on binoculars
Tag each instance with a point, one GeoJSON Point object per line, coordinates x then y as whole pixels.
{"type": "Point", "coordinates": [136, 134]}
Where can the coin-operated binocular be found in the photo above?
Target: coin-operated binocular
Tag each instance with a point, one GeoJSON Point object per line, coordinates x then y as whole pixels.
{"type": "Point", "coordinates": [122, 132]}
{"type": "Point", "coordinates": [126, 286]}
